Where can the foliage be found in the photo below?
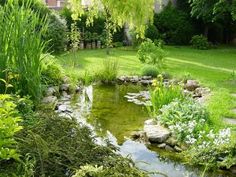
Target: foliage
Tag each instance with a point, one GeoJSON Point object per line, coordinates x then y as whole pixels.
{"type": "Point", "coordinates": [151, 54]}
{"type": "Point", "coordinates": [164, 94]}
{"type": "Point", "coordinates": [52, 72]}
{"type": "Point", "coordinates": [22, 46]}
{"type": "Point", "coordinates": [117, 167]}
{"type": "Point", "coordinates": [185, 119]}
{"type": "Point", "coordinates": [214, 149]}
{"type": "Point", "coordinates": [74, 37]}
{"type": "Point", "coordinates": [150, 70]}
{"type": "Point", "coordinates": [200, 42]}
{"type": "Point", "coordinates": [152, 33]}
{"type": "Point", "coordinates": [109, 71]}
{"type": "Point", "coordinates": [174, 26]}
{"type": "Point", "coordinates": [59, 153]}
{"type": "Point", "coordinates": [9, 126]}
{"type": "Point", "coordinates": [57, 33]}
{"type": "Point", "coordinates": [134, 12]}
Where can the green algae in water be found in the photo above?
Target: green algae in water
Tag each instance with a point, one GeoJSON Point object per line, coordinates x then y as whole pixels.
{"type": "Point", "coordinates": [111, 111]}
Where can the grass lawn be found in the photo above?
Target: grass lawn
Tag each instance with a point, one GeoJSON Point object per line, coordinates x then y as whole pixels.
{"type": "Point", "coordinates": [213, 68]}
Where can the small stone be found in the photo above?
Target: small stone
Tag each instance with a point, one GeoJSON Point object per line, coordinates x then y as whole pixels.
{"type": "Point", "coordinates": [199, 92]}
{"type": "Point", "coordinates": [65, 87]}
{"type": "Point", "coordinates": [162, 145]}
{"type": "Point", "coordinates": [233, 169]}
{"type": "Point", "coordinates": [191, 85]}
{"type": "Point", "coordinates": [146, 82]}
{"type": "Point", "coordinates": [51, 91]}
{"type": "Point", "coordinates": [150, 122]}
{"type": "Point", "coordinates": [171, 141]}
{"type": "Point", "coordinates": [50, 101]}
{"type": "Point", "coordinates": [178, 149]}
{"type": "Point", "coordinates": [230, 121]}
{"type": "Point", "coordinates": [156, 133]}
{"type": "Point", "coordinates": [169, 148]}
{"type": "Point", "coordinates": [62, 108]}
{"type": "Point", "coordinates": [146, 77]}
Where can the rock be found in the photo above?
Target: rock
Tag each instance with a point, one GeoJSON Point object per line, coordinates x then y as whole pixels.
{"type": "Point", "coordinates": [191, 85]}
{"type": "Point", "coordinates": [134, 79]}
{"type": "Point", "coordinates": [50, 101]}
{"type": "Point", "coordinates": [156, 133]}
{"type": "Point", "coordinates": [199, 92]}
{"type": "Point", "coordinates": [65, 87]}
{"type": "Point", "coordinates": [146, 77]}
{"type": "Point", "coordinates": [146, 82]}
{"type": "Point", "coordinates": [230, 121]}
{"type": "Point", "coordinates": [162, 145]}
{"type": "Point", "coordinates": [233, 169]}
{"type": "Point", "coordinates": [66, 79]}
{"type": "Point", "coordinates": [171, 141]}
{"type": "Point", "coordinates": [177, 149]}
{"type": "Point", "coordinates": [122, 78]}
{"type": "Point", "coordinates": [51, 91]}
{"type": "Point", "coordinates": [62, 108]}
{"type": "Point", "coordinates": [169, 148]}
{"type": "Point", "coordinates": [150, 122]}
{"type": "Point", "coordinates": [78, 89]}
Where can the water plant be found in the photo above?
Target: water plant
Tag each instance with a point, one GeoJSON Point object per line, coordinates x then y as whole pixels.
{"type": "Point", "coordinates": [163, 94]}
{"type": "Point", "coordinates": [109, 71]}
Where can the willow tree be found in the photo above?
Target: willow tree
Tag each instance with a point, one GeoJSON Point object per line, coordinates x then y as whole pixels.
{"type": "Point", "coordinates": [135, 13]}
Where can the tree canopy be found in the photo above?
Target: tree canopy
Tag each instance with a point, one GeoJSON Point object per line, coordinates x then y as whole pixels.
{"type": "Point", "coordinates": [137, 13]}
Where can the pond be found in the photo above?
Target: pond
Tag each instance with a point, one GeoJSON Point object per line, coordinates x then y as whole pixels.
{"type": "Point", "coordinates": [106, 111]}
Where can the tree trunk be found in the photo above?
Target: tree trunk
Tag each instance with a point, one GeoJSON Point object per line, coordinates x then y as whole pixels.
{"type": "Point", "coordinates": [206, 30]}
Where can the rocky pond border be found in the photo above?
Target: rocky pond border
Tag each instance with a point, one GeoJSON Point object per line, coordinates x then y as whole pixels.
{"type": "Point", "coordinates": [153, 132]}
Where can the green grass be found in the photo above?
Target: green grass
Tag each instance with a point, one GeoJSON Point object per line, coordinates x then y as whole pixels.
{"type": "Point", "coordinates": [213, 68]}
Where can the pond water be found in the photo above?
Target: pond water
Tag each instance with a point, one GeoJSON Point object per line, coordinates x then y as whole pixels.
{"type": "Point", "coordinates": [106, 111]}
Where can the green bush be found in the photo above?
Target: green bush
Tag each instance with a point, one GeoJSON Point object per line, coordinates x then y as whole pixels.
{"type": "Point", "coordinates": [21, 46]}
{"type": "Point", "coordinates": [52, 73]}
{"type": "Point", "coordinates": [185, 118]}
{"type": "Point", "coordinates": [150, 70]}
{"type": "Point", "coordinates": [151, 54]}
{"type": "Point", "coordinates": [9, 126]}
{"type": "Point", "coordinates": [200, 42]}
{"type": "Point", "coordinates": [109, 71]}
{"type": "Point", "coordinates": [174, 25]}
{"type": "Point", "coordinates": [163, 95]}
{"type": "Point", "coordinates": [57, 33]}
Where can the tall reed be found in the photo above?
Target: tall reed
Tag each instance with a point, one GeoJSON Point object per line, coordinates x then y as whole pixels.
{"type": "Point", "coordinates": [21, 31]}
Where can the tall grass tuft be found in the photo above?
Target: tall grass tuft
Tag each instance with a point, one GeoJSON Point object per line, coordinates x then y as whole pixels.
{"type": "Point", "coordinates": [21, 31]}
{"type": "Point", "coordinates": [109, 71]}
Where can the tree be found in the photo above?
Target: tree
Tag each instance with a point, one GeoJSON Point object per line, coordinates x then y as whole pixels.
{"type": "Point", "coordinates": [210, 11]}
{"type": "Point", "coordinates": [137, 13]}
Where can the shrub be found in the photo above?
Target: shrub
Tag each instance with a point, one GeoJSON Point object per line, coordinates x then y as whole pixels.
{"type": "Point", "coordinates": [175, 26]}
{"type": "Point", "coordinates": [52, 73]}
{"type": "Point", "coordinates": [200, 42]}
{"type": "Point", "coordinates": [163, 95]}
{"type": "Point", "coordinates": [57, 33]}
{"type": "Point", "coordinates": [185, 118]}
{"type": "Point", "coordinates": [109, 71]}
{"type": "Point", "coordinates": [22, 45]}
{"type": "Point", "coordinates": [9, 126]}
{"type": "Point", "coordinates": [151, 54]}
{"type": "Point", "coordinates": [150, 70]}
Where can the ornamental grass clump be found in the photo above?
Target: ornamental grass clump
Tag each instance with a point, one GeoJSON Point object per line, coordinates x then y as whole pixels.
{"type": "Point", "coordinates": [21, 32]}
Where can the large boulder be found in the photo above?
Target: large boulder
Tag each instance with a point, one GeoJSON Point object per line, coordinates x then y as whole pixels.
{"type": "Point", "coordinates": [156, 133]}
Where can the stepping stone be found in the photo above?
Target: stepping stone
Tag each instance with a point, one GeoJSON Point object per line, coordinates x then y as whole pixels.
{"type": "Point", "coordinates": [230, 121]}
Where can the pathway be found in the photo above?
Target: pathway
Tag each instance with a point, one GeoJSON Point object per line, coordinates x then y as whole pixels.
{"type": "Point", "coordinates": [231, 121]}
